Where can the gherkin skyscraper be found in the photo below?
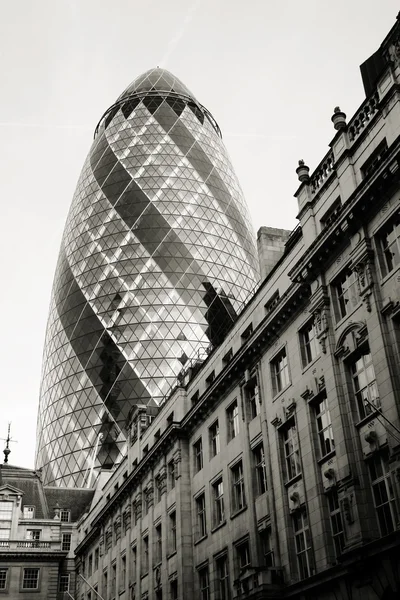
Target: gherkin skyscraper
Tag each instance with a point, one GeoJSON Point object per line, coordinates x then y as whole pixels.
{"type": "Point", "coordinates": [157, 258]}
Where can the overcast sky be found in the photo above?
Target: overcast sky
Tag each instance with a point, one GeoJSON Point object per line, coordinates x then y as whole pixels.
{"type": "Point", "coordinates": [269, 71]}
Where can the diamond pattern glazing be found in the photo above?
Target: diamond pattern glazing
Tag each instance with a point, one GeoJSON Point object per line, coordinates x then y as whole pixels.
{"type": "Point", "coordinates": [157, 258]}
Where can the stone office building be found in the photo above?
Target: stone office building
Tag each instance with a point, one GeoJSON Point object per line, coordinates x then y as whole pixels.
{"type": "Point", "coordinates": [273, 469]}
{"type": "Point", "coordinates": [37, 535]}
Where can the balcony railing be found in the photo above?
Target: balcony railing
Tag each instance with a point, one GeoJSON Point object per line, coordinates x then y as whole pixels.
{"type": "Point", "coordinates": [29, 545]}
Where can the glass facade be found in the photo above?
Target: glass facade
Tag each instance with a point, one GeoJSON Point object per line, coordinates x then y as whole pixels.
{"type": "Point", "coordinates": [157, 259]}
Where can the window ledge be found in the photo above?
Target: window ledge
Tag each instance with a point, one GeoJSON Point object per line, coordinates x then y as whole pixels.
{"type": "Point", "coordinates": [326, 457]}
{"type": "Point", "coordinates": [343, 320]}
{"type": "Point", "coordinates": [238, 512]}
{"type": "Point", "coordinates": [310, 364]}
{"type": "Point", "coordinates": [386, 278]}
{"type": "Point", "coordinates": [283, 390]}
{"type": "Point", "coordinates": [171, 554]}
{"type": "Point", "coordinates": [200, 539]}
{"type": "Point", "coordinates": [293, 480]}
{"type": "Point", "coordinates": [368, 418]}
{"type": "Point", "coordinates": [218, 526]}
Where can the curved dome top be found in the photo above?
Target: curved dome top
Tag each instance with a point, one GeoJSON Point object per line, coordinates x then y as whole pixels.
{"type": "Point", "coordinates": [158, 80]}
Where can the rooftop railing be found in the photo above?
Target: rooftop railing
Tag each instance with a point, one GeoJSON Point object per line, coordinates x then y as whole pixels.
{"type": "Point", "coordinates": [29, 545]}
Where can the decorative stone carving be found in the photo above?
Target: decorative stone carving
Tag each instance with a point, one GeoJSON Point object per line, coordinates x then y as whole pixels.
{"type": "Point", "coordinates": [362, 265]}
{"type": "Point", "coordinates": [320, 312]}
{"type": "Point", "coordinates": [177, 462]}
{"type": "Point", "coordinates": [138, 506]}
{"type": "Point", "coordinates": [117, 527]}
{"type": "Point", "coordinates": [101, 544]}
{"type": "Point", "coordinates": [347, 507]}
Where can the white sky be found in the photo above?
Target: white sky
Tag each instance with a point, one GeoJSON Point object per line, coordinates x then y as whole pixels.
{"type": "Point", "coordinates": [269, 71]}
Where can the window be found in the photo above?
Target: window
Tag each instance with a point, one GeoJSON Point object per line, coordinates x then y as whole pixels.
{"type": "Point", "coordinates": [30, 580]}
{"type": "Point", "coordinates": [63, 584]}
{"type": "Point", "coordinates": [3, 579]}
{"type": "Point", "coordinates": [309, 344]}
{"type": "Point", "coordinates": [134, 563]}
{"type": "Point", "coordinates": [382, 491]}
{"type": "Point", "coordinates": [272, 302]}
{"type": "Point", "coordinates": [265, 537]}
{"type": "Point", "coordinates": [336, 522]}
{"type": "Point", "coordinates": [324, 427]}
{"type": "Point", "coordinates": [238, 495]}
{"type": "Point", "coordinates": [29, 512]}
{"type": "Point", "coordinates": [242, 556]}
{"type": "Point", "coordinates": [389, 245]}
{"type": "Point", "coordinates": [96, 559]}
{"type": "Point", "coordinates": [158, 548]}
{"type": "Point", "coordinates": [303, 543]}
{"type": "Point", "coordinates": [122, 583]}
{"type": "Point", "coordinates": [280, 372]}
{"type": "Point", "coordinates": [4, 532]}
{"type": "Point", "coordinates": [105, 582]}
{"type": "Point", "coordinates": [345, 293]}
{"type": "Point", "coordinates": [65, 516]}
{"type": "Point", "coordinates": [113, 580]}
{"type": "Point", "coordinates": [218, 503]}
{"type": "Point", "coordinates": [90, 565]}
{"type": "Point", "coordinates": [34, 535]}
{"type": "Point", "coordinates": [260, 470]}
{"type": "Point", "coordinates": [6, 510]}
{"type": "Point", "coordinates": [232, 417]}
{"type": "Point", "coordinates": [145, 502]}
{"type": "Point", "coordinates": [210, 378]}
{"type": "Point", "coordinates": [364, 385]}
{"type": "Point", "coordinates": [195, 398]}
{"type": "Point", "coordinates": [252, 398]}
{"type": "Point", "coordinates": [159, 594]}
{"type": "Point", "coordinates": [227, 358]}
{"type": "Point", "coordinates": [158, 482]}
{"type": "Point", "coordinates": [145, 560]}
{"type": "Point", "coordinates": [374, 159]}
{"type": "Point", "coordinates": [222, 571]}
{"type": "Point", "coordinates": [173, 589]}
{"type": "Point", "coordinates": [247, 333]}
{"type": "Point", "coordinates": [291, 451]}
{"type": "Point", "coordinates": [66, 542]}
{"type": "Point", "coordinates": [331, 214]}
{"type": "Point", "coordinates": [172, 531]}
{"type": "Point", "coordinates": [214, 439]}
{"type": "Point", "coordinates": [201, 516]}
{"type": "Point", "coordinates": [198, 455]}
{"type": "Point", "coordinates": [171, 474]}
{"type": "Point", "coordinates": [204, 584]}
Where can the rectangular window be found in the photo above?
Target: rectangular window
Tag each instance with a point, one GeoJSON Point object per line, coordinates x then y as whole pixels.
{"type": "Point", "coordinates": [222, 573]}
{"type": "Point", "coordinates": [218, 503]}
{"type": "Point", "coordinates": [198, 455]}
{"type": "Point", "coordinates": [90, 565]}
{"type": "Point", "coordinates": [260, 470]}
{"type": "Point", "coordinates": [63, 584]}
{"type": "Point", "coordinates": [372, 163]}
{"type": "Point", "coordinates": [3, 579]}
{"type": "Point", "coordinates": [265, 537]}
{"type": "Point", "coordinates": [303, 544]}
{"type": "Point", "coordinates": [145, 502]}
{"type": "Point", "coordinates": [65, 516]}
{"type": "Point", "coordinates": [336, 522]}
{"type": "Point", "coordinates": [389, 245]}
{"type": "Point", "coordinates": [172, 531]}
{"type": "Point", "coordinates": [134, 563]}
{"type": "Point", "coordinates": [145, 554]}
{"type": "Point", "coordinates": [173, 589]}
{"type": "Point", "coordinates": [66, 542]}
{"type": "Point", "coordinates": [33, 535]}
{"type": "Point", "coordinates": [6, 509]}
{"type": "Point", "coordinates": [113, 580]}
{"type": "Point", "coordinates": [324, 427]}
{"type": "Point", "coordinates": [214, 439]}
{"type": "Point", "coordinates": [291, 451]}
{"type": "Point", "coordinates": [30, 580]}
{"type": "Point", "coordinates": [247, 333]}
{"type": "Point", "coordinates": [204, 584]}
{"type": "Point", "coordinates": [210, 378]}
{"type": "Point", "coordinates": [105, 582]}
{"type": "Point", "coordinates": [158, 486]}
{"type": "Point", "coordinates": [280, 372]}
{"type": "Point", "coordinates": [252, 398]}
{"type": "Point", "coordinates": [238, 495]}
{"type": "Point", "coordinates": [242, 556]}
{"type": "Point", "coordinates": [345, 293]}
{"type": "Point", "coordinates": [331, 214]}
{"type": "Point", "coordinates": [227, 358]}
{"type": "Point", "coordinates": [382, 491]}
{"type": "Point", "coordinates": [29, 512]}
{"type": "Point", "coordinates": [158, 545]}
{"type": "Point", "coordinates": [364, 384]}
{"type": "Point", "coordinates": [232, 418]}
{"type": "Point", "coordinates": [309, 344]}
{"type": "Point", "coordinates": [201, 516]}
{"type": "Point", "coordinates": [171, 474]}
{"type": "Point", "coordinates": [4, 533]}
{"type": "Point", "coordinates": [272, 302]}
{"type": "Point", "coordinates": [122, 583]}
{"type": "Point", "coordinates": [96, 559]}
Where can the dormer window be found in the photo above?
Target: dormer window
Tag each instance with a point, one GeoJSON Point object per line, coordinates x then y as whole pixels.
{"type": "Point", "coordinates": [65, 515]}
{"type": "Point", "coordinates": [29, 512]}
